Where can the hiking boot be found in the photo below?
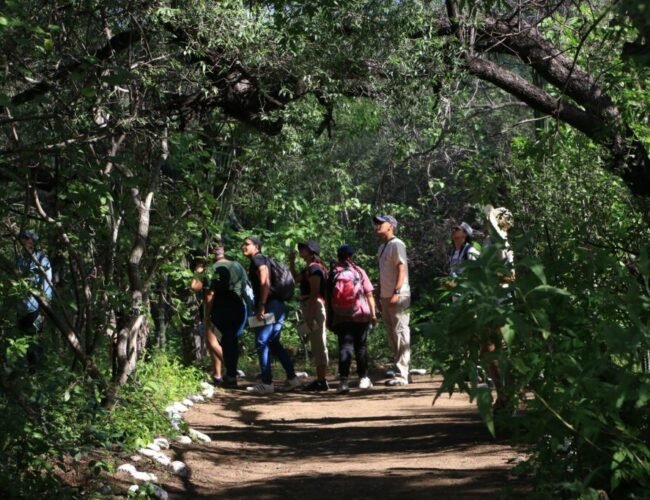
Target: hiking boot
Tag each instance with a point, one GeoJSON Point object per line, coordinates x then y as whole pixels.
{"type": "Point", "coordinates": [344, 388]}
{"type": "Point", "coordinates": [397, 381]}
{"type": "Point", "coordinates": [292, 383]}
{"type": "Point", "coordinates": [317, 385]}
{"type": "Point", "coordinates": [229, 382]}
{"type": "Point", "coordinates": [260, 388]}
{"type": "Point", "coordinates": [365, 383]}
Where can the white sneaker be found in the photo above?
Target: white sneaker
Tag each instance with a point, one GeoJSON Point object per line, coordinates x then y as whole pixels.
{"type": "Point", "coordinates": [397, 381]}
{"type": "Point", "coordinates": [344, 388]}
{"type": "Point", "coordinates": [260, 388]}
{"type": "Point", "coordinates": [292, 383]}
{"type": "Point", "coordinates": [365, 383]}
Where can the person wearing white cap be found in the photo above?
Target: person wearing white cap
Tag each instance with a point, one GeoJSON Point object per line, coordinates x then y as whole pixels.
{"type": "Point", "coordinates": [461, 237]}
{"type": "Point", "coordinates": [34, 266]}
{"type": "Point", "coordinates": [394, 294]}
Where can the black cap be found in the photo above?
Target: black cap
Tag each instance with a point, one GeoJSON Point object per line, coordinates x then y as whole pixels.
{"type": "Point", "coordinates": [345, 251]}
{"type": "Point", "coordinates": [310, 245]}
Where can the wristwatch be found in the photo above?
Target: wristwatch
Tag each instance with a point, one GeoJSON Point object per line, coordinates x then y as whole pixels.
{"type": "Point", "coordinates": [397, 291]}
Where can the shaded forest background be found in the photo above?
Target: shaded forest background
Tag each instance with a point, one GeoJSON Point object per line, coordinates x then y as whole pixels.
{"type": "Point", "coordinates": [138, 131]}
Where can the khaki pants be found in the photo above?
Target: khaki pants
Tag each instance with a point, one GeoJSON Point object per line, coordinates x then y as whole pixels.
{"type": "Point", "coordinates": [396, 321]}
{"type": "Point", "coordinates": [318, 335]}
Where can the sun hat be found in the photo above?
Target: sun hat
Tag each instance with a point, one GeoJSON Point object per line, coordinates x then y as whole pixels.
{"type": "Point", "coordinates": [501, 219]}
{"type": "Point", "coordinates": [378, 219]}
{"type": "Point", "coordinates": [310, 245]}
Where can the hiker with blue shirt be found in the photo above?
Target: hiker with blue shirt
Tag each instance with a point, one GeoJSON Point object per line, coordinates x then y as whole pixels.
{"type": "Point", "coordinates": [34, 266]}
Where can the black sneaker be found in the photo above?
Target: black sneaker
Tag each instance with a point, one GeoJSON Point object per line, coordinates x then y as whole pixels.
{"type": "Point", "coordinates": [229, 382]}
{"type": "Point", "coordinates": [217, 381]}
{"type": "Point", "coordinates": [317, 385]}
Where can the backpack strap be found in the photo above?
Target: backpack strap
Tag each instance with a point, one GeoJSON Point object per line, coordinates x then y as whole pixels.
{"type": "Point", "coordinates": [383, 249]}
{"type": "Point", "coordinates": [39, 255]}
{"type": "Point", "coordinates": [464, 252]}
{"type": "Point", "coordinates": [357, 269]}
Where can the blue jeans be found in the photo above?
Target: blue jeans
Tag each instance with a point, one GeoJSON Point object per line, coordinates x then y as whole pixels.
{"type": "Point", "coordinates": [229, 316]}
{"type": "Point", "coordinates": [268, 342]}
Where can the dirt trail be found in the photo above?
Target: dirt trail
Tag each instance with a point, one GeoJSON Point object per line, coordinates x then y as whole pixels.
{"type": "Point", "coordinates": [381, 443]}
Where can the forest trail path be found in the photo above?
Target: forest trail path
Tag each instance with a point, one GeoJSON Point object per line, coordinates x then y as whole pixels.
{"type": "Point", "coordinates": [387, 442]}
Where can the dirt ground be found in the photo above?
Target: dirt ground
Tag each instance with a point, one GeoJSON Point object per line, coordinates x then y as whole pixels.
{"type": "Point", "coordinates": [387, 442]}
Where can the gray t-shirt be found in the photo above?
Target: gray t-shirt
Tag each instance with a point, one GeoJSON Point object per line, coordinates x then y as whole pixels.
{"type": "Point", "coordinates": [390, 254]}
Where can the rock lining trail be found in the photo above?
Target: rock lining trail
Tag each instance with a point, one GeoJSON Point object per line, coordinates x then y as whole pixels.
{"type": "Point", "coordinates": [387, 442]}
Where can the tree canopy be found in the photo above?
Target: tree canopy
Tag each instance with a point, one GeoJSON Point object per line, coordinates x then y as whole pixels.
{"type": "Point", "coordinates": [136, 131]}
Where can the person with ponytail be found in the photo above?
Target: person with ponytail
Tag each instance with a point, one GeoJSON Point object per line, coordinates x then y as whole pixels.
{"type": "Point", "coordinates": [312, 280]}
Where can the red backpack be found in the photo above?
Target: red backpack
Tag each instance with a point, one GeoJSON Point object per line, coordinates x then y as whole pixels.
{"type": "Point", "coordinates": [347, 298]}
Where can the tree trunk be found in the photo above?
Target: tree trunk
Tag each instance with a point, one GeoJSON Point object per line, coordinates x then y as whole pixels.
{"type": "Point", "coordinates": [132, 339]}
{"type": "Point", "coordinates": [583, 104]}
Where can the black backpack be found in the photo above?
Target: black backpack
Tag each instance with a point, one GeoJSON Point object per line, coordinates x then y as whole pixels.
{"type": "Point", "coordinates": [282, 283]}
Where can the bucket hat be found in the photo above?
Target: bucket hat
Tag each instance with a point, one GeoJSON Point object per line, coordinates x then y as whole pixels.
{"type": "Point", "coordinates": [501, 220]}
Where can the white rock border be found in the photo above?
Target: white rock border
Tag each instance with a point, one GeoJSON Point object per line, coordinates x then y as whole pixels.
{"type": "Point", "coordinates": [153, 450]}
{"type": "Point", "coordinates": [159, 493]}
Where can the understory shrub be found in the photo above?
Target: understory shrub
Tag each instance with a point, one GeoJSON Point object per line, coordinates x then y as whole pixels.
{"type": "Point", "coordinates": [574, 342]}
{"type": "Point", "coordinates": [55, 414]}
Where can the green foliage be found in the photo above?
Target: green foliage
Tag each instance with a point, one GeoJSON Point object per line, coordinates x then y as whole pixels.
{"type": "Point", "coordinates": [377, 115]}
{"type": "Point", "coordinates": [48, 420]}
{"type": "Point", "coordinates": [139, 417]}
{"type": "Point", "coordinates": [572, 349]}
